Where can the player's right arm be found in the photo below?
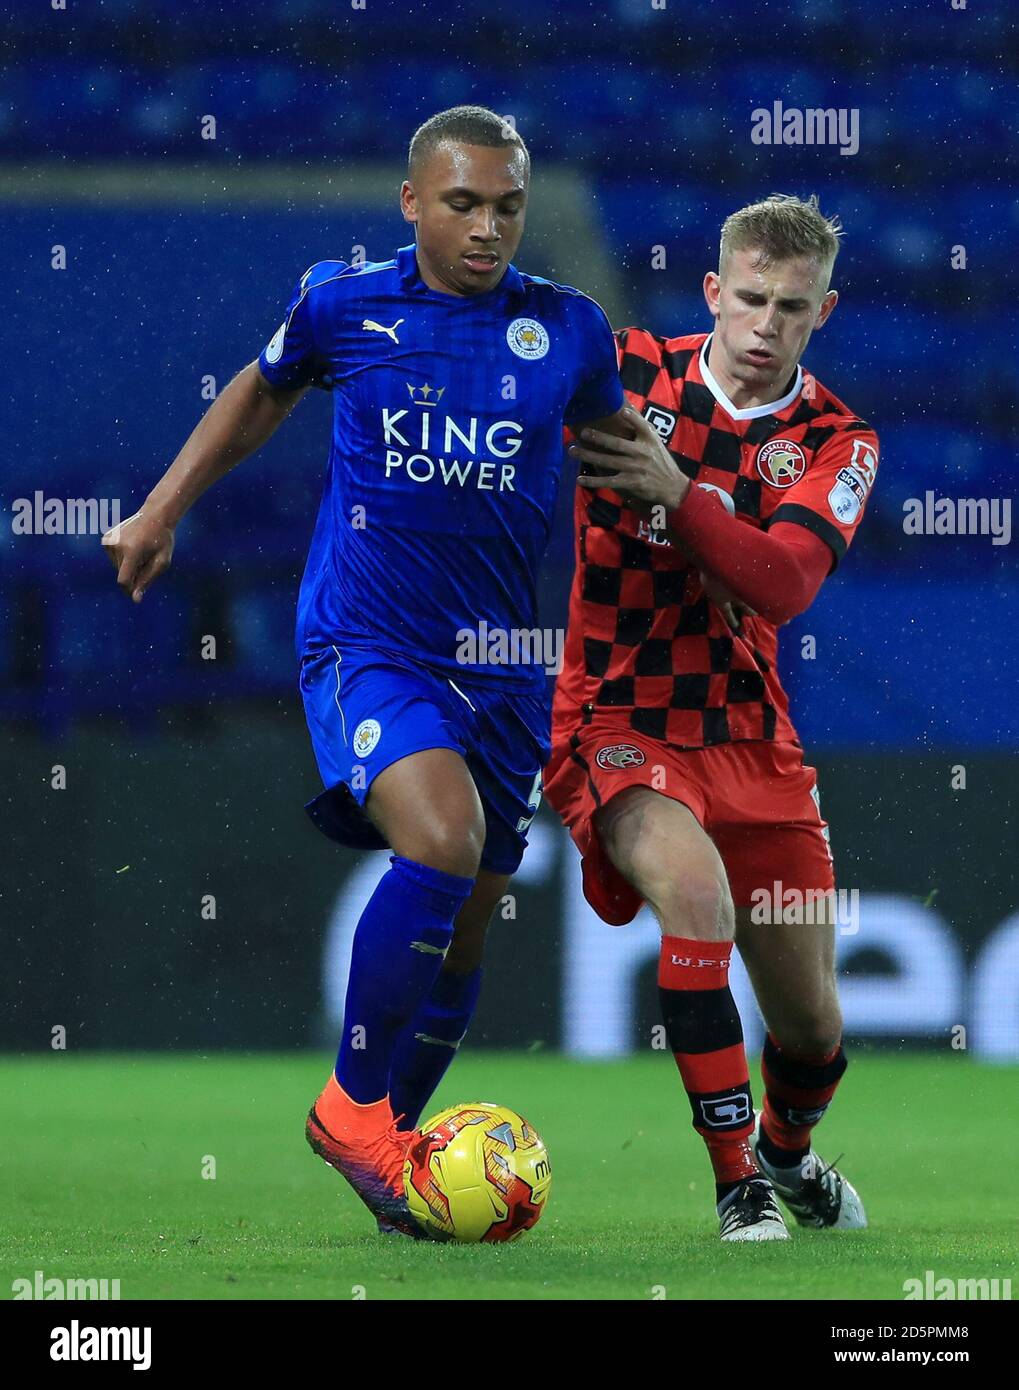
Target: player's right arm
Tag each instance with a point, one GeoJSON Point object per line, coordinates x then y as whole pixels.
{"type": "Point", "coordinates": [239, 421]}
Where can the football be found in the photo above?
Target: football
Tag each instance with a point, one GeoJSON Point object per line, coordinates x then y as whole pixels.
{"type": "Point", "coordinates": [477, 1173]}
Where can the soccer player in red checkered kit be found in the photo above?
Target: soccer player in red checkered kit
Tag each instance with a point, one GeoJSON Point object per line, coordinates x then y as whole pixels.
{"type": "Point", "coordinates": [675, 763]}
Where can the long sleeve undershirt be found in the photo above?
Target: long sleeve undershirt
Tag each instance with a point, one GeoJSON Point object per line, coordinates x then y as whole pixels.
{"type": "Point", "coordinates": [777, 572]}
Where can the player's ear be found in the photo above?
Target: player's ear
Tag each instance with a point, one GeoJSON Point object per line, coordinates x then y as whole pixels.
{"type": "Point", "coordinates": [712, 289]}
{"type": "Point", "coordinates": [827, 308]}
{"type": "Point", "coordinates": [408, 201]}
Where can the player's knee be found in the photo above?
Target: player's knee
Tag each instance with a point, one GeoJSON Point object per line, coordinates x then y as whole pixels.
{"type": "Point", "coordinates": [694, 903]}
{"type": "Point", "coordinates": [814, 1032]}
{"type": "Point", "coordinates": [665, 854]}
{"type": "Point", "coordinates": [453, 846]}
{"type": "Point", "coordinates": [690, 897]}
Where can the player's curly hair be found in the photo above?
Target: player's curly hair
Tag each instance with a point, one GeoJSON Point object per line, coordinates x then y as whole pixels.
{"type": "Point", "coordinates": [467, 125]}
{"type": "Point", "coordinates": [781, 226]}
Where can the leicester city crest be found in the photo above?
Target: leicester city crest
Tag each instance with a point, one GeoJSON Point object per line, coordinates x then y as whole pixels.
{"type": "Point", "coordinates": [527, 338]}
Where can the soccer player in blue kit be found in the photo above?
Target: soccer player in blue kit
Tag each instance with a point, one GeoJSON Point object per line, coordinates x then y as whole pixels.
{"type": "Point", "coordinates": [452, 375]}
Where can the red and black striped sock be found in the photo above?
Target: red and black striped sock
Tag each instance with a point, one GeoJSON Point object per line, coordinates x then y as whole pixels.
{"type": "Point", "coordinates": [706, 1038]}
{"type": "Point", "coordinates": [797, 1092]}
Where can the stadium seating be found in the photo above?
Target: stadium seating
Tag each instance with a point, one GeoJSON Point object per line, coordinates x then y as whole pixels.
{"type": "Point", "coordinates": [917, 347]}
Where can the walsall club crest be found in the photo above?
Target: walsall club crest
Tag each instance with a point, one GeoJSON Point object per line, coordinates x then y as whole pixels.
{"type": "Point", "coordinates": [781, 463]}
{"type": "Point", "coordinates": [619, 755]}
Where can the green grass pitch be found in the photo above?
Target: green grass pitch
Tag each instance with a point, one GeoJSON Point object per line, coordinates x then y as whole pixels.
{"type": "Point", "coordinates": [103, 1158]}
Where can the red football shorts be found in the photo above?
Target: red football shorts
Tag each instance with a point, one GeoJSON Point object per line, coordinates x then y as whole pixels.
{"type": "Point", "coordinates": [756, 800]}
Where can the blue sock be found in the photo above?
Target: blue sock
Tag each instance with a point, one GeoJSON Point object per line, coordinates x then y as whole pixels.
{"type": "Point", "coordinates": [428, 1044]}
{"type": "Point", "coordinates": [399, 945]}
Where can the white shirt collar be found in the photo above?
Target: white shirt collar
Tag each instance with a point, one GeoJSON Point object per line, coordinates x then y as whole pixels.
{"type": "Point", "coordinates": [752, 412]}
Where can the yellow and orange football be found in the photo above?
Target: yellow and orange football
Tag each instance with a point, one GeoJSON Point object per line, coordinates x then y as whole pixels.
{"type": "Point", "coordinates": [477, 1173]}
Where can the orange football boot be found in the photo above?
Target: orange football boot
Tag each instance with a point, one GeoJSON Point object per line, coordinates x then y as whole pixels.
{"type": "Point", "coordinates": [363, 1144]}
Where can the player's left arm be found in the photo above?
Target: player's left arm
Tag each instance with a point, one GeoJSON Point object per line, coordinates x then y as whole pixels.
{"type": "Point", "coordinates": [606, 373]}
{"type": "Point", "coordinates": [598, 402]}
{"type": "Point", "coordinates": [779, 570]}
{"type": "Point", "coordinates": [631, 459]}
{"type": "Point", "coordinates": [617, 426]}
{"type": "Point", "coordinates": [776, 572]}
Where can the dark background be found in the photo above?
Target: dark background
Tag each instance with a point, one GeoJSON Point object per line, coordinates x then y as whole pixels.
{"type": "Point", "coordinates": [185, 776]}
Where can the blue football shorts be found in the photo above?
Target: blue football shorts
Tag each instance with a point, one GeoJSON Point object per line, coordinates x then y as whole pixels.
{"type": "Point", "coordinates": [367, 709]}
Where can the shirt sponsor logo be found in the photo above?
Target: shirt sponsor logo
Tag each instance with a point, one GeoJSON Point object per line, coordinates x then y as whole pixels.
{"type": "Point", "coordinates": [274, 351]}
{"type": "Point", "coordinates": [424, 446]}
{"type": "Point", "coordinates": [721, 1112]}
{"type": "Point", "coordinates": [864, 461]}
{"type": "Point", "coordinates": [651, 534]}
{"type": "Point", "coordinates": [422, 395]}
{"type": "Point", "coordinates": [806, 1117]}
{"type": "Point", "coordinates": [620, 755]}
{"type": "Point", "coordinates": [781, 463]}
{"type": "Point", "coordinates": [847, 497]}
{"type": "Point", "coordinates": [366, 736]}
{"type": "Point", "coordinates": [527, 338]}
{"type": "Point", "coordinates": [370, 326]}
{"type": "Point", "coordinates": [661, 420]}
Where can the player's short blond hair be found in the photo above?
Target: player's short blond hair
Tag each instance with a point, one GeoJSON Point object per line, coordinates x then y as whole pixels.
{"type": "Point", "coordinates": [780, 227]}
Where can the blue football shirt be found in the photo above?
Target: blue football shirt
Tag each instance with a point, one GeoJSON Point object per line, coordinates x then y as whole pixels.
{"type": "Point", "coordinates": [446, 452]}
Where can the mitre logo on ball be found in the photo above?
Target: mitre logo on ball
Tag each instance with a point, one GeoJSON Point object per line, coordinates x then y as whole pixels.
{"type": "Point", "coordinates": [781, 463]}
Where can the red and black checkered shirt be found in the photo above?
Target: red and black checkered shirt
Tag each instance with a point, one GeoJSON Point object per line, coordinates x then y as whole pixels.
{"type": "Point", "coordinates": [645, 647]}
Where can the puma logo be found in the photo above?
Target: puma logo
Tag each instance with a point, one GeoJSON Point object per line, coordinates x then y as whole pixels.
{"type": "Point", "coordinates": [370, 326]}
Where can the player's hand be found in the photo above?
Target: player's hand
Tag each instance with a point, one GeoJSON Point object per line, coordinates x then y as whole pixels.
{"type": "Point", "coordinates": [732, 609]}
{"type": "Point", "coordinates": [140, 549]}
{"type": "Point", "coordinates": [640, 468]}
